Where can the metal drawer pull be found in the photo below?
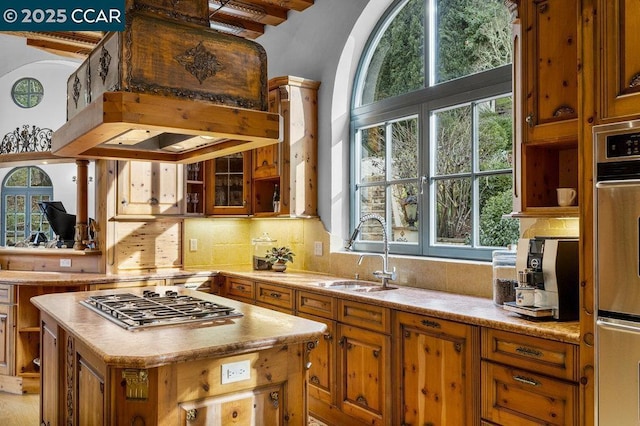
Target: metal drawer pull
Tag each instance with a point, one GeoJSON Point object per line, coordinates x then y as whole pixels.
{"type": "Point", "coordinates": [328, 337]}
{"type": "Point", "coordinates": [526, 380]}
{"type": "Point", "coordinates": [276, 295]}
{"type": "Point", "coordinates": [432, 324]}
{"type": "Point", "coordinates": [523, 350]}
{"type": "Point", "coordinates": [240, 287]}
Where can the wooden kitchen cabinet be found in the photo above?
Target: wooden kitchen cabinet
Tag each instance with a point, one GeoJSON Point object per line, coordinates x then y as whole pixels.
{"type": "Point", "coordinates": [149, 188]}
{"type": "Point", "coordinates": [291, 164]}
{"type": "Point", "coordinates": [195, 190]}
{"type": "Point", "coordinates": [239, 289]}
{"type": "Point", "coordinates": [261, 406]}
{"type": "Point", "coordinates": [228, 185]}
{"type": "Point", "coordinates": [528, 380]}
{"type": "Point", "coordinates": [6, 340]}
{"type": "Point", "coordinates": [275, 297]}
{"type": "Point", "coordinates": [7, 333]}
{"type": "Point", "coordinates": [322, 374]}
{"type": "Point", "coordinates": [50, 357]}
{"type": "Point", "coordinates": [364, 362]}
{"type": "Point", "coordinates": [545, 105]}
{"type": "Point", "coordinates": [618, 41]}
{"type": "Point", "coordinates": [437, 366]}
{"type": "Point", "coordinates": [27, 344]}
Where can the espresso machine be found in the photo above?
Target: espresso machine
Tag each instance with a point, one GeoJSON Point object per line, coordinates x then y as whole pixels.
{"type": "Point", "coordinates": [547, 278]}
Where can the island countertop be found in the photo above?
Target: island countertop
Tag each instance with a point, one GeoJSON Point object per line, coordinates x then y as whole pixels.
{"type": "Point", "coordinates": [258, 328]}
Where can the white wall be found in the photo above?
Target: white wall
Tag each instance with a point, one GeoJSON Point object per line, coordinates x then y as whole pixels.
{"type": "Point", "coordinates": [52, 71]}
{"type": "Point", "coordinates": [324, 43]}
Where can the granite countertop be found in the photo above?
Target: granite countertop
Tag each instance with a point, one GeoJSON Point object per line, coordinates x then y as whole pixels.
{"type": "Point", "coordinates": [468, 309]}
{"type": "Point", "coordinates": [83, 278]}
{"type": "Point", "coordinates": [455, 307]}
{"type": "Point", "coordinates": [257, 329]}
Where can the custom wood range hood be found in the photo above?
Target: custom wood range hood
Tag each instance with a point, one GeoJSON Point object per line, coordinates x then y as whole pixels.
{"type": "Point", "coordinates": [168, 88]}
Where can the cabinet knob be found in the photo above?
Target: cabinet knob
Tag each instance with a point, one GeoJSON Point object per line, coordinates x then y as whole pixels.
{"type": "Point", "coordinates": [276, 295]}
{"type": "Point", "coordinates": [153, 201]}
{"type": "Point", "coordinates": [362, 400]}
{"type": "Point", "coordinates": [529, 120]}
{"type": "Point", "coordinates": [328, 337]}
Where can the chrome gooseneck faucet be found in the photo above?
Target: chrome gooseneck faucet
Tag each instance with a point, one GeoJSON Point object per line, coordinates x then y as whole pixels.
{"type": "Point", "coordinates": [385, 275]}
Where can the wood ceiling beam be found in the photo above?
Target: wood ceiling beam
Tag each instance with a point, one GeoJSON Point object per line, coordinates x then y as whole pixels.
{"type": "Point", "coordinates": [237, 26]}
{"type": "Point", "coordinates": [252, 10]}
{"type": "Point", "coordinates": [298, 5]}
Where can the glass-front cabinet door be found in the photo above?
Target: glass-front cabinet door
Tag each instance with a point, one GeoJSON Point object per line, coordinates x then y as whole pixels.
{"type": "Point", "coordinates": [229, 184]}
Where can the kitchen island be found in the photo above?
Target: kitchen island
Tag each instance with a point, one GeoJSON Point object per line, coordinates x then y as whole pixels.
{"type": "Point", "coordinates": [239, 370]}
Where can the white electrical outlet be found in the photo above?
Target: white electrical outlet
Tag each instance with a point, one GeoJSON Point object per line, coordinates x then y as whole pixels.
{"type": "Point", "coordinates": [193, 244]}
{"type": "Point", "coordinates": [236, 372]}
{"type": "Point", "coordinates": [65, 263]}
{"type": "Point", "coordinates": [317, 248]}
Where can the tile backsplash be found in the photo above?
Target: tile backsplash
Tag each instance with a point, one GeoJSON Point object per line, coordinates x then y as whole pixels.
{"type": "Point", "coordinates": [226, 243]}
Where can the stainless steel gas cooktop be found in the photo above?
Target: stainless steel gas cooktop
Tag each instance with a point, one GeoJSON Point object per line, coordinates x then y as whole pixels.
{"type": "Point", "coordinates": [132, 311]}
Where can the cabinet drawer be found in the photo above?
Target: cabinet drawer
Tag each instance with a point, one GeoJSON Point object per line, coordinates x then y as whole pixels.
{"type": "Point", "coordinates": [275, 295]}
{"type": "Point", "coordinates": [6, 293]}
{"type": "Point", "coordinates": [317, 304]}
{"type": "Point", "coordinates": [372, 317]}
{"type": "Point", "coordinates": [194, 283]}
{"type": "Point", "coordinates": [237, 287]}
{"type": "Point", "coordinates": [540, 355]}
{"type": "Point", "coordinates": [512, 396]}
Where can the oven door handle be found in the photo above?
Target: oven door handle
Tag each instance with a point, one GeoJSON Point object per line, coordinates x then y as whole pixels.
{"type": "Point", "coordinates": [618, 324]}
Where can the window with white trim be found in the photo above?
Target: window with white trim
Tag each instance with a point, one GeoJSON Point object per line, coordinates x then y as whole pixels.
{"type": "Point", "coordinates": [432, 130]}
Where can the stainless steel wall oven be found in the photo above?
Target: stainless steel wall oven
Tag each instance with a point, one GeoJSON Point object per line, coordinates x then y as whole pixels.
{"type": "Point", "coordinates": [617, 275]}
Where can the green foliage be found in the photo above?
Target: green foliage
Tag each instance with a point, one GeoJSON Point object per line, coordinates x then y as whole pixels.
{"type": "Point", "coordinates": [496, 231]}
{"type": "Point", "coordinates": [279, 254]}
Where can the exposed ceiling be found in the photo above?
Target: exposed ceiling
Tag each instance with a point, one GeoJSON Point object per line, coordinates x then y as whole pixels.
{"type": "Point", "coordinates": [243, 18]}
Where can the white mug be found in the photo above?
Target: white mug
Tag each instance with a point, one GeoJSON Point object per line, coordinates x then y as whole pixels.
{"type": "Point", "coordinates": [566, 196]}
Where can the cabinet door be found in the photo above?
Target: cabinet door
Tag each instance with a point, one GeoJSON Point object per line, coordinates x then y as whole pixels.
{"type": "Point", "coordinates": [437, 380]}
{"type": "Point", "coordinates": [266, 159]}
{"type": "Point", "coordinates": [323, 363]}
{"type": "Point", "coordinates": [552, 69]}
{"type": "Point", "coordinates": [6, 340]}
{"type": "Point", "coordinates": [49, 367]}
{"type": "Point", "coordinates": [90, 395]}
{"type": "Point", "coordinates": [146, 187]}
{"type": "Point", "coordinates": [228, 184]}
{"type": "Point", "coordinates": [195, 197]}
{"type": "Point", "coordinates": [265, 406]}
{"type": "Point", "coordinates": [618, 41]}
{"type": "Point", "coordinates": [363, 371]}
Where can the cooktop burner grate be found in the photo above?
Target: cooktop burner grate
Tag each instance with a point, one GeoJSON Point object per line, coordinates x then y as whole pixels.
{"type": "Point", "coordinates": [132, 311]}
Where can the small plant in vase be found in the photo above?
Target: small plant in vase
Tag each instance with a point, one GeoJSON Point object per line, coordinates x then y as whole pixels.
{"type": "Point", "coordinates": [278, 258]}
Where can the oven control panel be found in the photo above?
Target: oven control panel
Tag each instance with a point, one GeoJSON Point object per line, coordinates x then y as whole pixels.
{"type": "Point", "coordinates": [623, 145]}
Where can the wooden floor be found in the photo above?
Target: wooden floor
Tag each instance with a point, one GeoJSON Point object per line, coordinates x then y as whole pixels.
{"type": "Point", "coordinates": [19, 410]}
{"type": "Point", "coordinates": [23, 410]}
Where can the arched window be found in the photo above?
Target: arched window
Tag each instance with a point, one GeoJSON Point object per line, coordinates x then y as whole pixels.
{"type": "Point", "coordinates": [22, 190]}
{"type": "Point", "coordinates": [432, 129]}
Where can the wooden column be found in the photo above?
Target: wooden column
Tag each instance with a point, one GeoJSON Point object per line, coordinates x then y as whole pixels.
{"type": "Point", "coordinates": [82, 215]}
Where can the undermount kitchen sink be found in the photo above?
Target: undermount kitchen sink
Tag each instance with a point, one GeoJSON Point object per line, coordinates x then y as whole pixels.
{"type": "Point", "coordinates": [355, 285]}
